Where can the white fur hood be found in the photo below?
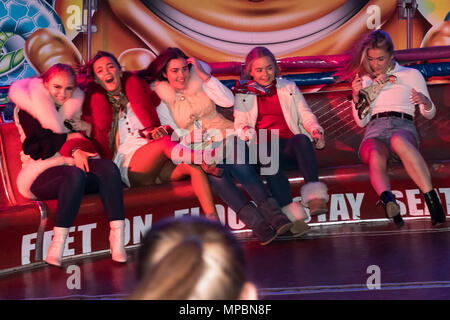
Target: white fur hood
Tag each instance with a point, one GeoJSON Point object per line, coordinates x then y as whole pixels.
{"type": "Point", "coordinates": [31, 96]}
{"type": "Point", "coordinates": [168, 94]}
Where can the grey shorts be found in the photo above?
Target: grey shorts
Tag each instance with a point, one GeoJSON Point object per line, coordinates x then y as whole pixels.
{"type": "Point", "coordinates": [382, 129]}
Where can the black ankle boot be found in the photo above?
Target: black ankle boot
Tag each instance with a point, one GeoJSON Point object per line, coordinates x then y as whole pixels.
{"type": "Point", "coordinates": [252, 217]}
{"type": "Point", "coordinates": [391, 208]}
{"type": "Point", "coordinates": [435, 207]}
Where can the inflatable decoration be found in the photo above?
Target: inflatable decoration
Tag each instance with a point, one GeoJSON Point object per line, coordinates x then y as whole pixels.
{"type": "Point", "coordinates": [18, 21]}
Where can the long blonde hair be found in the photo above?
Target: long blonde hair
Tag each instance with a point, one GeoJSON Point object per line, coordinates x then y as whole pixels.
{"type": "Point", "coordinates": [190, 258]}
{"type": "Point", "coordinates": [358, 63]}
{"type": "Point", "coordinates": [256, 53]}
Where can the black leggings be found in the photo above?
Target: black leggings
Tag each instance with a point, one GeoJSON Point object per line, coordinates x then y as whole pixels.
{"type": "Point", "coordinates": [68, 184]}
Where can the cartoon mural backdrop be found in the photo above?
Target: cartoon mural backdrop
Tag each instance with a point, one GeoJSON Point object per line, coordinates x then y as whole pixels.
{"type": "Point", "coordinates": [35, 34]}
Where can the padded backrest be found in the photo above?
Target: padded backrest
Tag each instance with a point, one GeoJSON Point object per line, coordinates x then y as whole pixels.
{"type": "Point", "coordinates": [10, 148]}
{"type": "Point", "coordinates": [343, 136]}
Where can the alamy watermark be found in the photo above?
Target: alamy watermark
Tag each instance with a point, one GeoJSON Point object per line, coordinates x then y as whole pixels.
{"type": "Point", "coordinates": [374, 280]}
{"type": "Point", "coordinates": [74, 280]}
{"type": "Point", "coordinates": [213, 146]}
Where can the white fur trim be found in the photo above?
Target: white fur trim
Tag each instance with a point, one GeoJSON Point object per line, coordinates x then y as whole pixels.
{"type": "Point", "coordinates": [31, 96]}
{"type": "Point", "coordinates": [33, 168]}
{"type": "Point", "coordinates": [314, 190]}
{"type": "Point", "coordinates": [168, 94]}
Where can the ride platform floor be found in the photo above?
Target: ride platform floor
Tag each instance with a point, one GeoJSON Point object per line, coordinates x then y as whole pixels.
{"type": "Point", "coordinates": [354, 261]}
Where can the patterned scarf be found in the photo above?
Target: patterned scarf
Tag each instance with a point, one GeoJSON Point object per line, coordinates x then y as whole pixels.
{"type": "Point", "coordinates": [367, 95]}
{"type": "Point", "coordinates": [119, 107]}
{"type": "Point", "coordinates": [253, 87]}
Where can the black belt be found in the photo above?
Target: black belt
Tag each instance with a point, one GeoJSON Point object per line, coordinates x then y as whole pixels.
{"type": "Point", "coordinates": [392, 114]}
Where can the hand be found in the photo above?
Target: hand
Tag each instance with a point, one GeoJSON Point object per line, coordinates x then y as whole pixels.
{"type": "Point", "coordinates": [247, 133]}
{"type": "Point", "coordinates": [81, 125]}
{"type": "Point", "coordinates": [197, 135]}
{"type": "Point", "coordinates": [418, 98]}
{"type": "Point", "coordinates": [319, 139]}
{"type": "Point", "coordinates": [381, 79]}
{"type": "Point", "coordinates": [158, 133]}
{"type": "Point", "coordinates": [356, 87]}
{"type": "Point", "coordinates": [80, 158]}
{"type": "Point", "coordinates": [199, 69]}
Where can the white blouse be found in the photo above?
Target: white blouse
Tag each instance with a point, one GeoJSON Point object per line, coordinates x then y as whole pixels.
{"type": "Point", "coordinates": [396, 96]}
{"type": "Point", "coordinates": [129, 142]}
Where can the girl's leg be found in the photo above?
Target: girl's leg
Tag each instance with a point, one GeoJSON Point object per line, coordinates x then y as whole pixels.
{"type": "Point", "coordinates": [246, 211]}
{"type": "Point", "coordinates": [104, 178]}
{"type": "Point", "coordinates": [253, 185]}
{"type": "Point", "coordinates": [403, 143]}
{"type": "Point", "coordinates": [227, 190]}
{"type": "Point", "coordinates": [314, 193]}
{"type": "Point", "coordinates": [278, 182]}
{"type": "Point", "coordinates": [65, 183]}
{"type": "Point", "coordinates": [280, 187]}
{"type": "Point", "coordinates": [199, 180]}
{"type": "Point", "coordinates": [376, 155]}
{"type": "Point", "coordinates": [301, 148]}
{"type": "Point", "coordinates": [148, 161]}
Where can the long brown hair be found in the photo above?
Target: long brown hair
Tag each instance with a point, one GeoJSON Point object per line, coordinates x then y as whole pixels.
{"type": "Point", "coordinates": [88, 68]}
{"type": "Point", "coordinates": [190, 258]}
{"type": "Point", "coordinates": [158, 67]}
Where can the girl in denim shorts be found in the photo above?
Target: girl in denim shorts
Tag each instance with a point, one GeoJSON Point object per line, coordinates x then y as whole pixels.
{"type": "Point", "coordinates": [385, 98]}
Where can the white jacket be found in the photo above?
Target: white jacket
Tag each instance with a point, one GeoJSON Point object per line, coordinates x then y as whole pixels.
{"type": "Point", "coordinates": [299, 117]}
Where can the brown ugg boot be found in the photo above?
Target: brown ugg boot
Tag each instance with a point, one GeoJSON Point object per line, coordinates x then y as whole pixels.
{"type": "Point", "coordinates": [315, 197]}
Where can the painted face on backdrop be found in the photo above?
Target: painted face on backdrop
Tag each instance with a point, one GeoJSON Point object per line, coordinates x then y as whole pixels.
{"type": "Point", "coordinates": [263, 71]}
{"type": "Point", "coordinates": [378, 60]}
{"type": "Point", "coordinates": [177, 73]}
{"type": "Point", "coordinates": [107, 74]}
{"type": "Point", "coordinates": [61, 87]}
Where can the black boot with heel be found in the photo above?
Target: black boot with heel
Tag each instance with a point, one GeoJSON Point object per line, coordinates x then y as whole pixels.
{"type": "Point", "coordinates": [391, 208]}
{"type": "Point", "coordinates": [435, 207]}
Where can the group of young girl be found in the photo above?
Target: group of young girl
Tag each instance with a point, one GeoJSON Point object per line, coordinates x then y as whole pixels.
{"type": "Point", "coordinates": [152, 126]}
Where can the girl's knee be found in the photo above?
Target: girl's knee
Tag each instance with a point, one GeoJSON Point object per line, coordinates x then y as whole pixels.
{"type": "Point", "coordinates": [74, 175]}
{"type": "Point", "coordinates": [300, 140]}
{"type": "Point", "coordinates": [105, 168]}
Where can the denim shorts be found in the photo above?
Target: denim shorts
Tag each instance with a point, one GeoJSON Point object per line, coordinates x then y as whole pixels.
{"type": "Point", "coordinates": [382, 129]}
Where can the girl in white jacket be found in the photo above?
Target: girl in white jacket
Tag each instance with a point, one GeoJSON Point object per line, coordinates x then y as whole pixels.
{"type": "Point", "coordinates": [277, 105]}
{"type": "Point", "coordinates": [189, 95]}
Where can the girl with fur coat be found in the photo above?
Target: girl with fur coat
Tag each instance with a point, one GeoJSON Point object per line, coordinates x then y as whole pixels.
{"type": "Point", "coordinates": [121, 109]}
{"type": "Point", "coordinates": [189, 97]}
{"type": "Point", "coordinates": [58, 162]}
